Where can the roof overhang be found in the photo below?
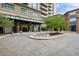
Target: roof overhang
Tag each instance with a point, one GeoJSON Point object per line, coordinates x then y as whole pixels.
{"type": "Point", "coordinates": [24, 19]}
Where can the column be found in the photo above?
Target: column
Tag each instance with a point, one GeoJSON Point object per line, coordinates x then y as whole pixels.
{"type": "Point", "coordinates": [68, 23]}
{"type": "Point", "coordinates": [18, 26]}
{"type": "Point", "coordinates": [39, 29]}
{"type": "Point", "coordinates": [30, 27]}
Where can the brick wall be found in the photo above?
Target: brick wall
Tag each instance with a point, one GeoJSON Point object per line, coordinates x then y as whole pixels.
{"type": "Point", "coordinates": [68, 23]}
{"type": "Point", "coordinates": [77, 21]}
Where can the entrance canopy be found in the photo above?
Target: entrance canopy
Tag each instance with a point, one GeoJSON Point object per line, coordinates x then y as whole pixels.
{"type": "Point", "coordinates": [24, 19]}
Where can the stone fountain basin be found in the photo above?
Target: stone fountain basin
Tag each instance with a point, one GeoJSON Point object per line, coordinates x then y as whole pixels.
{"type": "Point", "coordinates": [46, 35]}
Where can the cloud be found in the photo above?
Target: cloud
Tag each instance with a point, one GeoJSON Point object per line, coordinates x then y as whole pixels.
{"type": "Point", "coordinates": [64, 7]}
{"type": "Point", "coordinates": [57, 5]}
{"type": "Point", "coordinates": [74, 4]}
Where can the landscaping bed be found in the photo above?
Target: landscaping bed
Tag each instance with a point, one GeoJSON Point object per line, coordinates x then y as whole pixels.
{"type": "Point", "coordinates": [46, 35]}
{"type": "Point", "coordinates": [53, 34]}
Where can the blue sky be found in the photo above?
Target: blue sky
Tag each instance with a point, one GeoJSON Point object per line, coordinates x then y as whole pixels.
{"type": "Point", "coordinates": [64, 7]}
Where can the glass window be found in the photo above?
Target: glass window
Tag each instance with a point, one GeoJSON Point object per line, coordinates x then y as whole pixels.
{"type": "Point", "coordinates": [73, 18]}
{"type": "Point", "coordinates": [8, 6]}
{"type": "Point", "coordinates": [35, 5]}
{"type": "Point", "coordinates": [35, 14]}
{"type": "Point", "coordinates": [24, 11]}
{"type": "Point", "coordinates": [49, 13]}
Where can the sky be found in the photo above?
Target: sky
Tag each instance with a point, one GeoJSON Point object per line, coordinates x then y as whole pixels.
{"type": "Point", "coordinates": [64, 7]}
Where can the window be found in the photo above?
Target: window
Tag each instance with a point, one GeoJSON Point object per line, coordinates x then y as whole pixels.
{"type": "Point", "coordinates": [49, 13]}
{"type": "Point", "coordinates": [35, 5]}
{"type": "Point", "coordinates": [72, 19]}
{"type": "Point", "coordinates": [24, 11]}
{"type": "Point", "coordinates": [35, 14]}
{"type": "Point", "coordinates": [8, 6]}
{"type": "Point", "coordinates": [44, 10]}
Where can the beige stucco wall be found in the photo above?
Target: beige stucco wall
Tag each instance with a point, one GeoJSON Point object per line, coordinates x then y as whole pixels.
{"type": "Point", "coordinates": [17, 12]}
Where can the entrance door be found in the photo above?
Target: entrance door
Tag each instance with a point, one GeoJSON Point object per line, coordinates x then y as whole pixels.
{"type": "Point", "coordinates": [24, 29]}
{"type": "Point", "coordinates": [73, 28]}
{"type": "Point", "coordinates": [73, 23]}
{"type": "Point", "coordinates": [36, 27]}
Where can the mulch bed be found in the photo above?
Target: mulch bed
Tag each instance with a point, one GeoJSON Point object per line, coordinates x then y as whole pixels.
{"type": "Point", "coordinates": [52, 34]}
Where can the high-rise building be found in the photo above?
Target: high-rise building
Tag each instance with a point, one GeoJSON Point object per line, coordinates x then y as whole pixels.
{"type": "Point", "coordinates": [47, 9]}
{"type": "Point", "coordinates": [27, 16]}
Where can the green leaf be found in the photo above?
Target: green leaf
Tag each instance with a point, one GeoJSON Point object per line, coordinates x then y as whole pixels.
{"type": "Point", "coordinates": [55, 21]}
{"type": "Point", "coordinates": [5, 22]}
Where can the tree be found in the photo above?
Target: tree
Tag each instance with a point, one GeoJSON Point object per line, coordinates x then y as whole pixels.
{"type": "Point", "coordinates": [5, 22]}
{"type": "Point", "coordinates": [56, 21]}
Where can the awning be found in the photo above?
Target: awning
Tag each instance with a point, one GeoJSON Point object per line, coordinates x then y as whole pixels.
{"type": "Point", "coordinates": [24, 19]}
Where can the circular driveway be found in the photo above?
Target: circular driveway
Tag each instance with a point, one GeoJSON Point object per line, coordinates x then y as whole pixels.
{"type": "Point", "coordinates": [22, 45]}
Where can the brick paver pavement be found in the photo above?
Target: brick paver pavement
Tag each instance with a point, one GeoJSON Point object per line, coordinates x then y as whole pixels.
{"type": "Point", "coordinates": [21, 44]}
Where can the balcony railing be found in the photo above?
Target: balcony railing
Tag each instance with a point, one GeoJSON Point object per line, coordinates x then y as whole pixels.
{"type": "Point", "coordinates": [44, 16]}
{"type": "Point", "coordinates": [44, 4]}
{"type": "Point", "coordinates": [44, 7]}
{"type": "Point", "coordinates": [45, 12]}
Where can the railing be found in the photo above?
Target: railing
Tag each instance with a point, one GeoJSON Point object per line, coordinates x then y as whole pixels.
{"type": "Point", "coordinates": [44, 7]}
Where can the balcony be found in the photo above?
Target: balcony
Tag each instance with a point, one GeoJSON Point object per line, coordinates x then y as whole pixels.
{"type": "Point", "coordinates": [42, 7]}
{"type": "Point", "coordinates": [25, 3]}
{"type": "Point", "coordinates": [49, 9]}
{"type": "Point", "coordinates": [44, 16]}
{"type": "Point", "coordinates": [49, 14]}
{"type": "Point", "coordinates": [44, 12]}
{"type": "Point", "coordinates": [49, 5]}
{"type": "Point", "coordinates": [44, 4]}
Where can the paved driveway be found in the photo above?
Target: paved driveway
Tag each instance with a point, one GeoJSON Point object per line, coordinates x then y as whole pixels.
{"type": "Point", "coordinates": [21, 44]}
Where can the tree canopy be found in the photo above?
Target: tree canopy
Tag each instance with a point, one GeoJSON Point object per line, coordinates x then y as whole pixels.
{"type": "Point", "coordinates": [5, 22]}
{"type": "Point", "coordinates": [55, 21]}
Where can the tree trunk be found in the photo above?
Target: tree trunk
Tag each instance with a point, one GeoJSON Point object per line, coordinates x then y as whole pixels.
{"type": "Point", "coordinates": [58, 30]}
{"type": "Point", "coordinates": [52, 29]}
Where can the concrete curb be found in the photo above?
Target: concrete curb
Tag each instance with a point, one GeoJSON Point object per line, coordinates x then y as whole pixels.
{"type": "Point", "coordinates": [5, 36]}
{"type": "Point", "coordinates": [46, 38]}
{"type": "Point", "coordinates": [8, 35]}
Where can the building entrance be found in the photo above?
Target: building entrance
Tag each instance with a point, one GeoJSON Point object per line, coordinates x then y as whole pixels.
{"type": "Point", "coordinates": [73, 23]}
{"type": "Point", "coordinates": [1, 29]}
{"type": "Point", "coordinates": [73, 28]}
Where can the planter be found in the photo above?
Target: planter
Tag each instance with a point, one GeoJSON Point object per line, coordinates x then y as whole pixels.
{"type": "Point", "coordinates": [48, 35]}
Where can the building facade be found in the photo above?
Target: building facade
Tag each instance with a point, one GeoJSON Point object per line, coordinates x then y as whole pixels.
{"type": "Point", "coordinates": [47, 9]}
{"type": "Point", "coordinates": [72, 20]}
{"type": "Point", "coordinates": [27, 16]}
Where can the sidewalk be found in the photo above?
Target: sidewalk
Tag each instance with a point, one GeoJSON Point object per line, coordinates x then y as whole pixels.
{"type": "Point", "coordinates": [4, 35]}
